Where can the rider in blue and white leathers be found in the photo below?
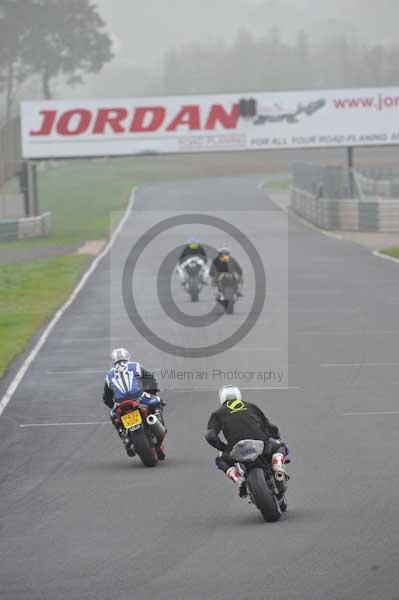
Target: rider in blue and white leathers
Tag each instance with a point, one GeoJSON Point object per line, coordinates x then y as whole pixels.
{"type": "Point", "coordinates": [128, 379]}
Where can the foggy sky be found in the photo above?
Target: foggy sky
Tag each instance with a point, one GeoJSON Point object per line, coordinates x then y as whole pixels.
{"type": "Point", "coordinates": [144, 30]}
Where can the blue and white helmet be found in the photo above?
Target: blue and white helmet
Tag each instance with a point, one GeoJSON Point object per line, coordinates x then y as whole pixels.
{"type": "Point", "coordinates": [119, 357]}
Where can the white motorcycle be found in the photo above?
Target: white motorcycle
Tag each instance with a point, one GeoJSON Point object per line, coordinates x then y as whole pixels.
{"type": "Point", "coordinates": [193, 274]}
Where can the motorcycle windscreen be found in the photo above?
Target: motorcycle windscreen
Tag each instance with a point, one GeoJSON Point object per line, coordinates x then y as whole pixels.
{"type": "Point", "coordinates": [247, 450]}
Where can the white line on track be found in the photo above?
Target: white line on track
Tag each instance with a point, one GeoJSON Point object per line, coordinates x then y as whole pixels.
{"type": "Point", "coordinates": [106, 339]}
{"type": "Point", "coordinates": [246, 389]}
{"type": "Point", "coordinates": [362, 364]}
{"type": "Point", "coordinates": [275, 388]}
{"type": "Point", "coordinates": [77, 372]}
{"type": "Point", "coordinates": [353, 332]}
{"type": "Point", "coordinates": [290, 292]}
{"type": "Point", "coordinates": [255, 349]}
{"type": "Point", "coordinates": [316, 311]}
{"type": "Point", "coordinates": [385, 256]}
{"type": "Point", "coordinates": [95, 339]}
{"type": "Point", "coordinates": [41, 341]}
{"type": "Point", "coordinates": [67, 424]}
{"type": "Point", "coordinates": [376, 413]}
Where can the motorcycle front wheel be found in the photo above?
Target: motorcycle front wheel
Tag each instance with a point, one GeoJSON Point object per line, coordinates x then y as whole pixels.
{"type": "Point", "coordinates": [229, 300]}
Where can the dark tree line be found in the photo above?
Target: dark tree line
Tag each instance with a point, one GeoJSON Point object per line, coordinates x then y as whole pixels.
{"type": "Point", "coordinates": [49, 38]}
{"type": "Point", "coordinates": [269, 63]}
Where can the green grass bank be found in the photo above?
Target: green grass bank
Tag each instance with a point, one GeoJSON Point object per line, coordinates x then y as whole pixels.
{"type": "Point", "coordinates": [31, 292]}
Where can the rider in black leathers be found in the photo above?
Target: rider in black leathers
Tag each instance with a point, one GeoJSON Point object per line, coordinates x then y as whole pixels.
{"type": "Point", "coordinates": [238, 420]}
{"type": "Point", "coordinates": [193, 248]}
{"type": "Point", "coordinates": [225, 263]}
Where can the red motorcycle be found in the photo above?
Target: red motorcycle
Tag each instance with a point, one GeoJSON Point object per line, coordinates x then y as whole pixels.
{"type": "Point", "coordinates": [141, 431]}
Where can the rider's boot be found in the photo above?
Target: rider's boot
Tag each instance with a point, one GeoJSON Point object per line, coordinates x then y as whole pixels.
{"type": "Point", "coordinates": [130, 451]}
{"type": "Point", "coordinates": [181, 275]}
{"type": "Point", "coordinates": [160, 451]}
{"type": "Point", "coordinates": [120, 430]}
{"type": "Point", "coordinates": [217, 294]}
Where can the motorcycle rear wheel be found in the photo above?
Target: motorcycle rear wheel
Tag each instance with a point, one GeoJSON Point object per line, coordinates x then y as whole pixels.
{"type": "Point", "coordinates": [143, 448]}
{"type": "Point", "coordinates": [265, 501]}
{"type": "Point", "coordinates": [193, 289]}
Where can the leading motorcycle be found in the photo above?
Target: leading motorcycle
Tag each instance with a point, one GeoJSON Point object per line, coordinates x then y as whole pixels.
{"type": "Point", "coordinates": [261, 486]}
{"type": "Point", "coordinates": [194, 271]}
{"type": "Point", "coordinates": [141, 431]}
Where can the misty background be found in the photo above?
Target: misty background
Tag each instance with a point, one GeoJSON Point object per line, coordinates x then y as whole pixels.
{"type": "Point", "coordinates": [137, 48]}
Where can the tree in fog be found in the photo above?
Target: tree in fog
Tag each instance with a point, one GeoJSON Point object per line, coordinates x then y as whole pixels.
{"type": "Point", "coordinates": [14, 28]}
{"type": "Point", "coordinates": [48, 39]}
{"type": "Point", "coordinates": [244, 61]}
{"type": "Point", "coordinates": [268, 63]}
{"type": "Point", "coordinates": [376, 63]}
{"type": "Point", "coordinates": [67, 38]}
{"type": "Point", "coordinates": [302, 69]}
{"type": "Point", "coordinates": [171, 73]}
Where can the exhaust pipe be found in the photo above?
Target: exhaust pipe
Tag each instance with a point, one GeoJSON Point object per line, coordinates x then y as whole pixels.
{"type": "Point", "coordinates": [156, 427]}
{"type": "Point", "coordinates": [279, 475]}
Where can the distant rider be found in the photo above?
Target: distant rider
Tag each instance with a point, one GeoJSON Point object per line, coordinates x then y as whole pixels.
{"type": "Point", "coordinates": [225, 263]}
{"type": "Point", "coordinates": [193, 249]}
{"type": "Point", "coordinates": [125, 380]}
{"type": "Point", "coordinates": [238, 420]}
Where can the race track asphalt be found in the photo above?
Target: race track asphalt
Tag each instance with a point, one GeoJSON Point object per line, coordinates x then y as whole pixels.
{"type": "Point", "coordinates": [79, 520]}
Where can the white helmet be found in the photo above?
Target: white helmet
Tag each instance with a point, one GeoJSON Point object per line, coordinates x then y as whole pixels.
{"type": "Point", "coordinates": [229, 392]}
{"type": "Point", "coordinates": [119, 355]}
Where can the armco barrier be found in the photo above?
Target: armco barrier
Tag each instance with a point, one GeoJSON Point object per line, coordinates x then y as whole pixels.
{"type": "Point", "coordinates": [8, 231]}
{"type": "Point", "coordinates": [347, 214]}
{"type": "Point", "coordinates": [19, 229]}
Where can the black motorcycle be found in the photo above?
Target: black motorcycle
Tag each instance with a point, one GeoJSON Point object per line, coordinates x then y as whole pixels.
{"type": "Point", "coordinates": [264, 488]}
{"type": "Point", "coordinates": [142, 432]}
{"type": "Point", "coordinates": [227, 286]}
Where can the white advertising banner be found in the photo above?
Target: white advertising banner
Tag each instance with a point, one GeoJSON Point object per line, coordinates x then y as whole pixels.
{"type": "Point", "coordinates": [210, 123]}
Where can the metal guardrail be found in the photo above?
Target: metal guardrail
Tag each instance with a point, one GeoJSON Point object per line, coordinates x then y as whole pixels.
{"type": "Point", "coordinates": [337, 182]}
{"type": "Point", "coordinates": [365, 199]}
{"type": "Point", "coordinates": [19, 229]}
{"type": "Point", "coordinates": [348, 214]}
{"type": "Point", "coordinates": [323, 182]}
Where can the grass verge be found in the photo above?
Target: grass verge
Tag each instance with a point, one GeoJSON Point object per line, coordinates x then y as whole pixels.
{"type": "Point", "coordinates": [279, 184]}
{"type": "Point", "coordinates": [394, 251]}
{"type": "Point", "coordinates": [80, 197]}
{"type": "Point", "coordinates": [30, 293]}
